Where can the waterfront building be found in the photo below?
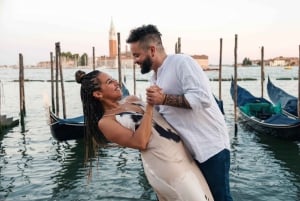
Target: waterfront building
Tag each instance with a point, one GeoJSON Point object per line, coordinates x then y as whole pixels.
{"type": "Point", "coordinates": [111, 60]}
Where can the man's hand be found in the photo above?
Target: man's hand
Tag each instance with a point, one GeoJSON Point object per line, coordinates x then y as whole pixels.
{"type": "Point", "coordinates": [155, 95]}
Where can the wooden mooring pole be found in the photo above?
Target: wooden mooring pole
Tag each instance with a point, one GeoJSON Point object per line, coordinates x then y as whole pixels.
{"type": "Point", "coordinates": [220, 71]}
{"type": "Point", "coordinates": [119, 60]}
{"type": "Point", "coordinates": [262, 72]}
{"type": "Point", "coordinates": [179, 45]}
{"type": "Point", "coordinates": [56, 79]}
{"type": "Point", "coordinates": [94, 66]}
{"type": "Point", "coordinates": [220, 101]}
{"type": "Point", "coordinates": [22, 92]}
{"type": "Point", "coordinates": [299, 85]}
{"type": "Point", "coordinates": [235, 85]}
{"type": "Point", "coordinates": [59, 75]}
{"type": "Point", "coordinates": [52, 83]}
{"type": "Point", "coordinates": [62, 83]}
{"type": "Point", "coordinates": [134, 79]}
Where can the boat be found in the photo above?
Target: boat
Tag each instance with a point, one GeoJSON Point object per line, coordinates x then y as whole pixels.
{"type": "Point", "coordinates": [64, 129]}
{"type": "Point", "coordinates": [279, 96]}
{"type": "Point", "coordinates": [262, 116]}
{"type": "Point", "coordinates": [7, 123]}
{"type": "Point", "coordinates": [220, 104]}
{"type": "Point", "coordinates": [287, 67]}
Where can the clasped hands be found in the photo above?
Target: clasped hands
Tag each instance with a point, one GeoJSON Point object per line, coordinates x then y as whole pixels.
{"type": "Point", "coordinates": [155, 95]}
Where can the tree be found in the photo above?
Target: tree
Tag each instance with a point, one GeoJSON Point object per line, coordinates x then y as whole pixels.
{"type": "Point", "coordinates": [246, 62]}
{"type": "Point", "coordinates": [83, 60]}
{"type": "Point", "coordinates": [67, 55]}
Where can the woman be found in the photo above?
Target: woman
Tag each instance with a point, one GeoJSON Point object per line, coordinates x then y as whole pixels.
{"type": "Point", "coordinates": [169, 168]}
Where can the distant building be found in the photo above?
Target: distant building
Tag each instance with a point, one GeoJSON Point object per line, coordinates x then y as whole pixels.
{"type": "Point", "coordinates": [44, 64]}
{"type": "Point", "coordinates": [113, 51]}
{"type": "Point", "coordinates": [65, 62]}
{"type": "Point", "coordinates": [279, 61]}
{"type": "Point", "coordinates": [111, 60]}
{"type": "Point", "coordinates": [202, 60]}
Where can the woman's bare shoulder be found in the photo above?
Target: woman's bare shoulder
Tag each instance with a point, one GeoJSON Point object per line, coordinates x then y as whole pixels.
{"type": "Point", "coordinates": [106, 120]}
{"type": "Point", "coordinates": [132, 99]}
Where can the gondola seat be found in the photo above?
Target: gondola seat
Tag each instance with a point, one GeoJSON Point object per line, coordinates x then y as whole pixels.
{"type": "Point", "coordinates": [261, 110]}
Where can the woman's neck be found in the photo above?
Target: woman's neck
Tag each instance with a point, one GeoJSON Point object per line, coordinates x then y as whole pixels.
{"type": "Point", "coordinates": [111, 105]}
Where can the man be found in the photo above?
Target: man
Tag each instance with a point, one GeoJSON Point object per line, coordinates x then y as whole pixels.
{"type": "Point", "coordinates": [182, 93]}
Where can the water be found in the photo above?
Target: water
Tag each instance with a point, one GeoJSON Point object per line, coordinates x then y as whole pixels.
{"type": "Point", "coordinates": [34, 166]}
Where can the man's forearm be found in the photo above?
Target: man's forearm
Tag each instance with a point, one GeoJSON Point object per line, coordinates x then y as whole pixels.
{"type": "Point", "coordinates": [176, 101]}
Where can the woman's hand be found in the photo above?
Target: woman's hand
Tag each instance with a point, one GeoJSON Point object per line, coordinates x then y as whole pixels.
{"type": "Point", "coordinates": [155, 95]}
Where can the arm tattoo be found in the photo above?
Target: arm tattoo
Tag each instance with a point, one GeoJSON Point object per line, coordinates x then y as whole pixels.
{"type": "Point", "coordinates": [176, 101]}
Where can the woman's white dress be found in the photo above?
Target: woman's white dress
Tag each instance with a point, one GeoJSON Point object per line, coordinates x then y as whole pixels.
{"type": "Point", "coordinates": [168, 166]}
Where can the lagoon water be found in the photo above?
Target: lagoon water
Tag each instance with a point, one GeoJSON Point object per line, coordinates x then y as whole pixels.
{"type": "Point", "coordinates": [34, 166]}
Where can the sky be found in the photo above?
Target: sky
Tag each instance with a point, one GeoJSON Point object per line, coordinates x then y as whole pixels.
{"type": "Point", "coordinates": [32, 27]}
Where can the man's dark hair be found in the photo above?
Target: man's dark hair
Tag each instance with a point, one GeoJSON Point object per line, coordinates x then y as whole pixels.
{"type": "Point", "coordinates": [145, 34]}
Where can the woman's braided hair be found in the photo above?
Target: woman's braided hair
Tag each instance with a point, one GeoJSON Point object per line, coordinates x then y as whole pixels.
{"type": "Point", "coordinates": [93, 111]}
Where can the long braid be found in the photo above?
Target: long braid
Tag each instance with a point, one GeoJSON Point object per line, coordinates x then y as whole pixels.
{"type": "Point", "coordinates": [93, 110]}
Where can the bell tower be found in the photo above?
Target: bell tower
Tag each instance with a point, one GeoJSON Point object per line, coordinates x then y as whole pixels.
{"type": "Point", "coordinates": [112, 41]}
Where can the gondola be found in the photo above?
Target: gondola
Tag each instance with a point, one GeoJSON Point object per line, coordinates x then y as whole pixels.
{"type": "Point", "coordinates": [66, 129]}
{"type": "Point", "coordinates": [63, 129]}
{"type": "Point", "coordinates": [220, 104]}
{"type": "Point", "coordinates": [7, 123]}
{"type": "Point", "coordinates": [279, 96]}
{"type": "Point", "coordinates": [261, 116]}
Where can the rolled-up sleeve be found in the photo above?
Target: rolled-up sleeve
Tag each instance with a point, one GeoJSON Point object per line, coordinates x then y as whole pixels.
{"type": "Point", "coordinates": [195, 83]}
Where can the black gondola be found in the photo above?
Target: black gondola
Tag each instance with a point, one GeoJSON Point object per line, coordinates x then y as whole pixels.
{"type": "Point", "coordinates": [7, 123]}
{"type": "Point", "coordinates": [70, 128]}
{"type": "Point", "coordinates": [279, 96]}
{"type": "Point", "coordinates": [66, 129]}
{"type": "Point", "coordinates": [260, 115]}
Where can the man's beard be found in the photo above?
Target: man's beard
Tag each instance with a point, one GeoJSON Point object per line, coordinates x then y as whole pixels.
{"type": "Point", "coordinates": [146, 65]}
